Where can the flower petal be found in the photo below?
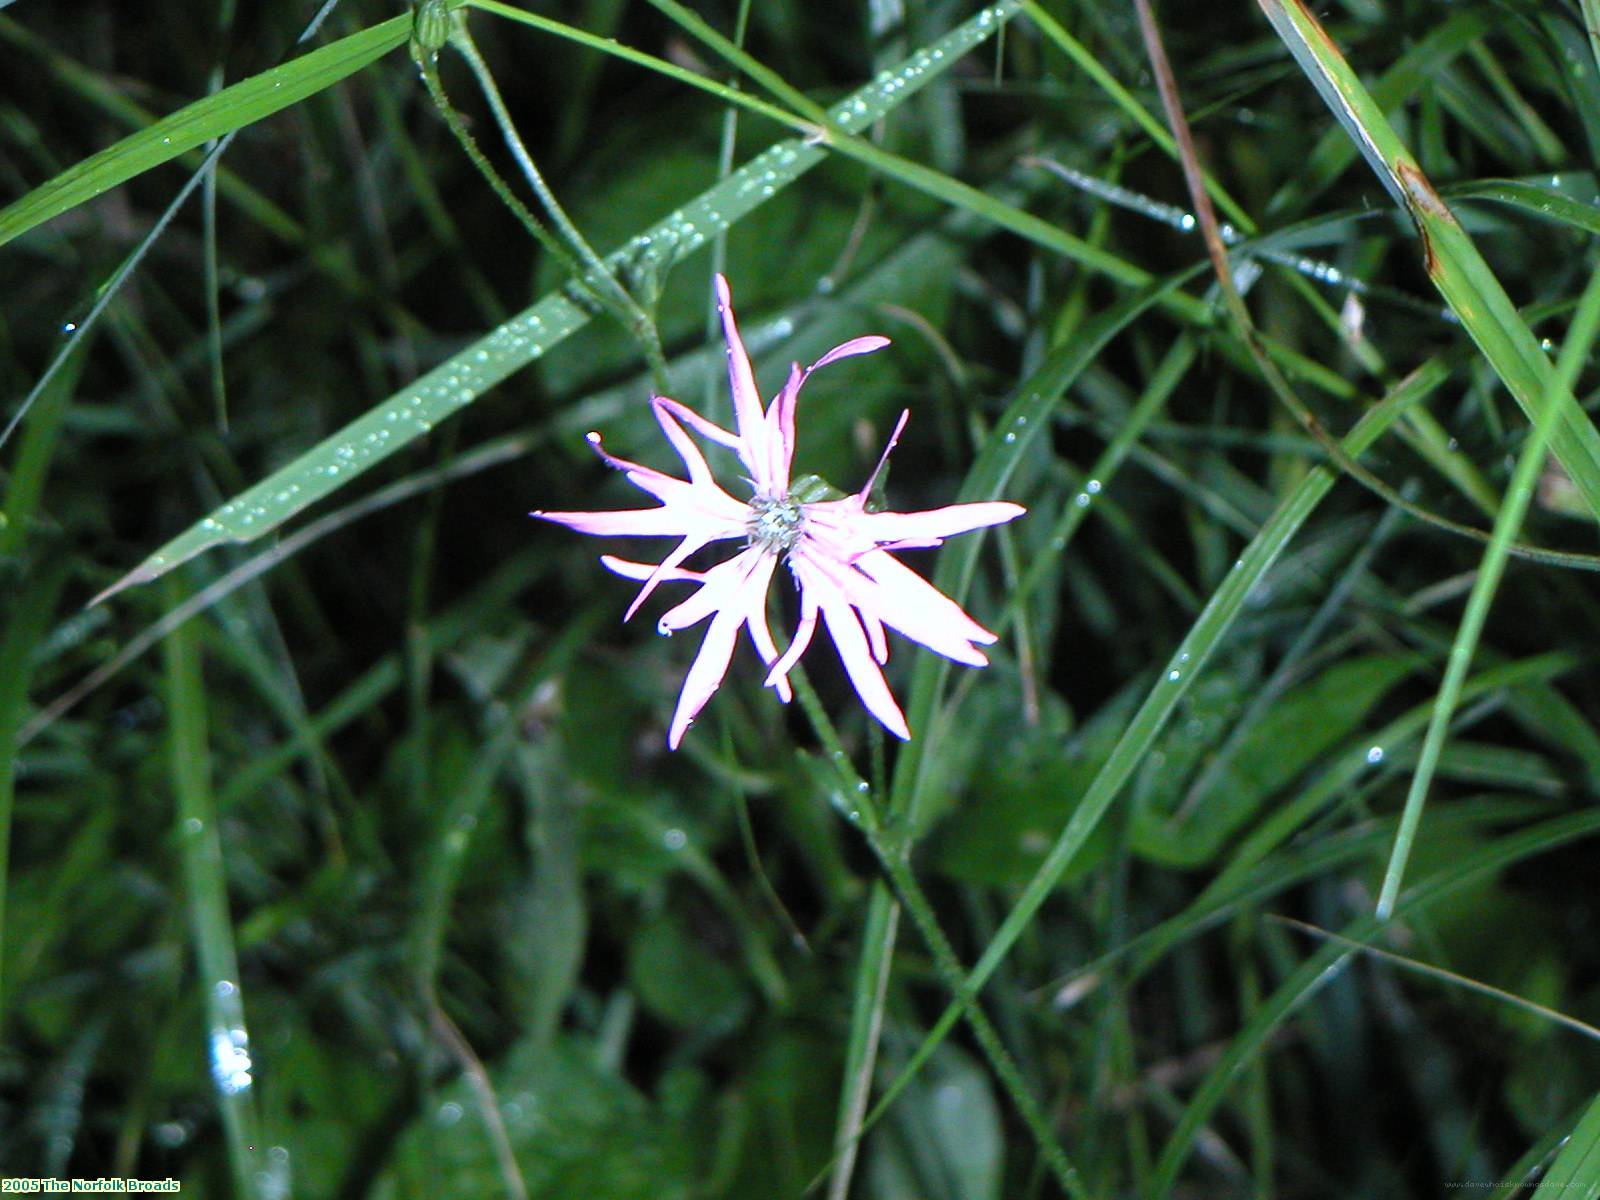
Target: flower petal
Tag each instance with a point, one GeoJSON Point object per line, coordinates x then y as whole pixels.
{"type": "Point", "coordinates": [756, 622]}
{"type": "Point", "coordinates": [722, 582]}
{"type": "Point", "coordinates": [780, 428]}
{"type": "Point", "coordinates": [637, 570]}
{"type": "Point", "coordinates": [680, 552]}
{"type": "Point", "coordinates": [909, 603]}
{"type": "Point", "coordinates": [703, 495]}
{"type": "Point", "coordinates": [899, 426]}
{"type": "Point", "coordinates": [780, 414]}
{"type": "Point", "coordinates": [802, 638]}
{"type": "Point", "coordinates": [864, 673]}
{"type": "Point", "coordinates": [707, 429]}
{"type": "Point", "coordinates": [746, 400]}
{"type": "Point", "coordinates": [665, 521]}
{"type": "Point", "coordinates": [694, 462]}
{"type": "Point", "coordinates": [705, 676]}
{"type": "Point", "coordinates": [851, 643]}
{"type": "Point", "coordinates": [746, 598]}
{"type": "Point", "coordinates": [931, 526]}
{"type": "Point", "coordinates": [860, 345]}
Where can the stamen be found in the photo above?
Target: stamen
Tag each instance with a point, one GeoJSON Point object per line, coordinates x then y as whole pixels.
{"type": "Point", "coordinates": [775, 522]}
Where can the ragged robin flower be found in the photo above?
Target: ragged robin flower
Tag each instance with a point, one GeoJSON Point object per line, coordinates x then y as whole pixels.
{"type": "Point", "coordinates": [840, 554]}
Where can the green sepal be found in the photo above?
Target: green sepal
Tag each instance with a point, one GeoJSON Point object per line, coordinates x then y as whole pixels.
{"type": "Point", "coordinates": [809, 489]}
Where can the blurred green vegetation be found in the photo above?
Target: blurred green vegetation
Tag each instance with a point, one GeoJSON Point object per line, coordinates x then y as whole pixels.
{"type": "Point", "coordinates": [348, 859]}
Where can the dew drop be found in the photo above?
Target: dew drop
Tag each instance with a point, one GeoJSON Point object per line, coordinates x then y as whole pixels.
{"type": "Point", "coordinates": [1375, 755]}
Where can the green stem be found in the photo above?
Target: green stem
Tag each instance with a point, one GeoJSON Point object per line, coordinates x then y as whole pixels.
{"type": "Point", "coordinates": [893, 850]}
{"type": "Point", "coordinates": [452, 119]}
{"type": "Point", "coordinates": [596, 273]}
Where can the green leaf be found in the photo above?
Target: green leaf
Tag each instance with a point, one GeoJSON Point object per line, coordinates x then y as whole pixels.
{"type": "Point", "coordinates": [946, 1142]}
{"type": "Point", "coordinates": [575, 1131]}
{"type": "Point", "coordinates": [678, 980]}
{"type": "Point", "coordinates": [1552, 201]}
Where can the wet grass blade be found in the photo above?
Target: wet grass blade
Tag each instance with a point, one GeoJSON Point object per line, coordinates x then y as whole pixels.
{"type": "Point", "coordinates": [1139, 736]}
{"type": "Point", "coordinates": [34, 602]}
{"type": "Point", "coordinates": [206, 894]}
{"type": "Point", "coordinates": [205, 120]}
{"type": "Point", "coordinates": [1025, 419]}
{"type": "Point", "coordinates": [1449, 256]}
{"type": "Point", "coordinates": [1524, 479]}
{"type": "Point", "coordinates": [866, 1024]}
{"type": "Point", "coordinates": [1540, 199]}
{"type": "Point", "coordinates": [1576, 1171]}
{"type": "Point", "coordinates": [1323, 966]}
{"type": "Point", "coordinates": [455, 383]}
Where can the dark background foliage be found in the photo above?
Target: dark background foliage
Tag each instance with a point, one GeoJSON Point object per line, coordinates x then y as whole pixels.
{"type": "Point", "coordinates": [490, 934]}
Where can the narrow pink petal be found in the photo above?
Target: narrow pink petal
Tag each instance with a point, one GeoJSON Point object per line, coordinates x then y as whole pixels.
{"type": "Point", "coordinates": [682, 551]}
{"type": "Point", "coordinates": [635, 522]}
{"type": "Point", "coordinates": [883, 589]}
{"type": "Point", "coordinates": [784, 405]}
{"type": "Point", "coordinates": [909, 603]}
{"type": "Point", "coordinates": [756, 620]}
{"type": "Point", "coordinates": [722, 582]}
{"type": "Point", "coordinates": [864, 673]}
{"type": "Point", "coordinates": [780, 427]}
{"type": "Point", "coordinates": [693, 460]}
{"type": "Point", "coordinates": [802, 637]}
{"type": "Point", "coordinates": [860, 345]}
{"type": "Point", "coordinates": [711, 663]}
{"type": "Point", "coordinates": [866, 488]}
{"type": "Point", "coordinates": [905, 592]}
{"type": "Point", "coordinates": [702, 494]}
{"type": "Point", "coordinates": [705, 676]}
{"type": "Point", "coordinates": [746, 400]}
{"type": "Point", "coordinates": [637, 570]}
{"type": "Point", "coordinates": [709, 430]}
{"type": "Point", "coordinates": [933, 524]}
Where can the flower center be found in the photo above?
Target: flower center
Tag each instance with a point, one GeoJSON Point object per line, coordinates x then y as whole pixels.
{"type": "Point", "coordinates": [775, 522]}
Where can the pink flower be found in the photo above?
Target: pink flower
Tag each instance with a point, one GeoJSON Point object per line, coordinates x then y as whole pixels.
{"type": "Point", "coordinates": [838, 552]}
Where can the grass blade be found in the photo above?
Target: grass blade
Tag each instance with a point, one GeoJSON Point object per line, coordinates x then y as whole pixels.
{"type": "Point", "coordinates": [1576, 1171]}
{"type": "Point", "coordinates": [442, 392]}
{"type": "Point", "coordinates": [1140, 735]}
{"type": "Point", "coordinates": [205, 120]}
{"type": "Point", "coordinates": [1585, 325]}
{"type": "Point", "coordinates": [1449, 256]}
{"type": "Point", "coordinates": [206, 893]}
{"type": "Point", "coordinates": [1323, 966]}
